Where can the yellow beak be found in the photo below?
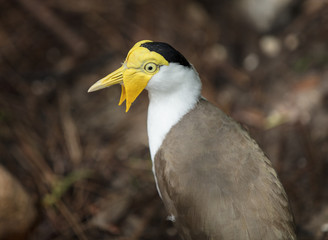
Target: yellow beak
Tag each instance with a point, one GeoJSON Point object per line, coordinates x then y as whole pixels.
{"type": "Point", "coordinates": [132, 81]}
{"type": "Point", "coordinates": [132, 76]}
{"type": "Point", "coordinates": [110, 80]}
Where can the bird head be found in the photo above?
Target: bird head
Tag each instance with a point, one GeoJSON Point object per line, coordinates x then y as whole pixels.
{"type": "Point", "coordinates": [144, 61]}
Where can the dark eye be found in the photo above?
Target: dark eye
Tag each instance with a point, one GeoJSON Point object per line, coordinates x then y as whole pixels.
{"type": "Point", "coordinates": [150, 67]}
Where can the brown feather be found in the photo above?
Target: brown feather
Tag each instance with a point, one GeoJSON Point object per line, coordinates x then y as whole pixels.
{"type": "Point", "coordinates": [217, 182]}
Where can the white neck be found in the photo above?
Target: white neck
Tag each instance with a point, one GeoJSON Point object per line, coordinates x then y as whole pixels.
{"type": "Point", "coordinates": [168, 105]}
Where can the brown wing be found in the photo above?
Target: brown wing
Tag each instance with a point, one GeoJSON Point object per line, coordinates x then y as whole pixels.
{"type": "Point", "coordinates": [218, 183]}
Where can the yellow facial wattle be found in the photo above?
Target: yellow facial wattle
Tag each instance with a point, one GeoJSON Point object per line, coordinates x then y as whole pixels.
{"type": "Point", "coordinates": [138, 68]}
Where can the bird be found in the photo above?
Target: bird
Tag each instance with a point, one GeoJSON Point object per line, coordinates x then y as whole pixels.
{"type": "Point", "coordinates": [213, 178]}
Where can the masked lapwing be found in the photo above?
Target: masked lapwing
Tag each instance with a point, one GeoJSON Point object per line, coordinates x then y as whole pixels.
{"type": "Point", "coordinates": [214, 180]}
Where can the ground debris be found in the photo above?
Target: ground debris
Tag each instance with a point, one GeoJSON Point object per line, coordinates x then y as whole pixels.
{"type": "Point", "coordinates": [274, 82]}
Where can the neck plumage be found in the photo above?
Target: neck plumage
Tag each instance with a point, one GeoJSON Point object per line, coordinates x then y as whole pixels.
{"type": "Point", "coordinates": [167, 108]}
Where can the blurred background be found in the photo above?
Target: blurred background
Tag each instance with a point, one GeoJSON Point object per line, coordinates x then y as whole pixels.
{"type": "Point", "coordinates": [74, 165]}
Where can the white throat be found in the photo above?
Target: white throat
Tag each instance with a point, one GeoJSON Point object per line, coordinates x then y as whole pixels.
{"type": "Point", "coordinates": [173, 92]}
